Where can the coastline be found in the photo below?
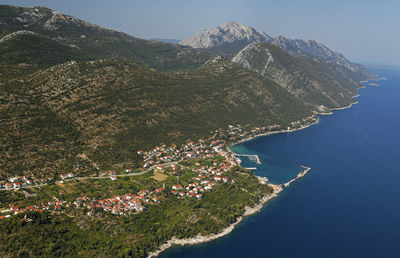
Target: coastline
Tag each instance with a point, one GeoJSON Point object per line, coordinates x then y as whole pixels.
{"type": "Point", "coordinates": [277, 132]}
{"type": "Point", "coordinates": [199, 239]}
{"type": "Point", "coordinates": [304, 126]}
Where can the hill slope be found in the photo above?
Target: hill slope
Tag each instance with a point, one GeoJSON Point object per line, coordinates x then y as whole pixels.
{"type": "Point", "coordinates": [111, 109]}
{"type": "Point", "coordinates": [313, 81]}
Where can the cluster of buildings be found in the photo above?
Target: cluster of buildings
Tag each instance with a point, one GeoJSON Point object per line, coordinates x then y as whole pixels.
{"type": "Point", "coordinates": [118, 204]}
{"type": "Point", "coordinates": [49, 206]}
{"type": "Point", "coordinates": [205, 180]}
{"type": "Point", "coordinates": [201, 183]}
{"type": "Point", "coordinates": [166, 154]}
{"type": "Point", "coordinates": [16, 183]}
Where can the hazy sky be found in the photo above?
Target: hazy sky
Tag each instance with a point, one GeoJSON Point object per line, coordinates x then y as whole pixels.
{"type": "Point", "coordinates": [365, 31]}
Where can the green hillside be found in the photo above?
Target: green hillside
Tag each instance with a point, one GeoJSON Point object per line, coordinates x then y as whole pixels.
{"type": "Point", "coordinates": [111, 109]}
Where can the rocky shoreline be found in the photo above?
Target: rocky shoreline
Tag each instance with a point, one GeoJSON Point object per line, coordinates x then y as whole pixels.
{"type": "Point", "coordinates": [199, 239]}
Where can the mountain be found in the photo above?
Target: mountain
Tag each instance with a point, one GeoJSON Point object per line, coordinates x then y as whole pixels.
{"type": "Point", "coordinates": [226, 39]}
{"type": "Point", "coordinates": [231, 37]}
{"type": "Point", "coordinates": [82, 40]}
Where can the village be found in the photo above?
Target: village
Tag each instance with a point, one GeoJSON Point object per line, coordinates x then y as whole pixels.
{"type": "Point", "coordinates": [171, 160]}
{"type": "Point", "coordinates": [204, 179]}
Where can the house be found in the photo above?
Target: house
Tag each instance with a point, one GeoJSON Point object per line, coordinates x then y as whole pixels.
{"type": "Point", "coordinates": [191, 194]}
{"type": "Point", "coordinates": [113, 177]}
{"type": "Point", "coordinates": [9, 186]}
{"type": "Point", "coordinates": [17, 184]}
{"type": "Point", "coordinates": [225, 179]}
{"type": "Point", "coordinates": [57, 207]}
{"type": "Point", "coordinates": [176, 187]}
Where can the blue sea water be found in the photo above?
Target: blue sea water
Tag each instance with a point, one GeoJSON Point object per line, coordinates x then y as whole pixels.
{"type": "Point", "coordinates": [348, 205]}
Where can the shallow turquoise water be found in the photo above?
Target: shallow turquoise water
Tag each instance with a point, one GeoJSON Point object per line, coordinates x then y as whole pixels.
{"type": "Point", "coordinates": [349, 203]}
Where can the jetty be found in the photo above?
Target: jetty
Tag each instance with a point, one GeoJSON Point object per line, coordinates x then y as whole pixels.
{"type": "Point", "coordinates": [300, 175]}
{"type": "Point", "coordinates": [254, 158]}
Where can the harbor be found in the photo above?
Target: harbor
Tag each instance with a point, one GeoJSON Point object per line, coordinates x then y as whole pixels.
{"type": "Point", "coordinates": [251, 157]}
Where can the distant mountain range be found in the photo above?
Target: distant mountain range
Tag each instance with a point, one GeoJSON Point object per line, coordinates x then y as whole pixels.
{"type": "Point", "coordinates": [69, 87]}
{"type": "Point", "coordinates": [231, 37]}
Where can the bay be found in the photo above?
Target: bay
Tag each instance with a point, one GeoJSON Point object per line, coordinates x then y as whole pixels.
{"type": "Point", "coordinates": [348, 205]}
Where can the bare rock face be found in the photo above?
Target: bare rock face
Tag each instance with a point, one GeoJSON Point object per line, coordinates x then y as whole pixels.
{"type": "Point", "coordinates": [226, 39]}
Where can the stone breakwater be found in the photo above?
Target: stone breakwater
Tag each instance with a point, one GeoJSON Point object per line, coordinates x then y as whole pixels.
{"type": "Point", "coordinates": [300, 175]}
{"type": "Point", "coordinates": [199, 239]}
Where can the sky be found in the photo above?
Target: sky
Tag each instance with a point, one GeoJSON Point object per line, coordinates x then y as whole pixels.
{"type": "Point", "coordinates": [364, 31]}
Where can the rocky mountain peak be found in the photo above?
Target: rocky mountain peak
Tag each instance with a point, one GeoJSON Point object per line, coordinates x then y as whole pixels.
{"type": "Point", "coordinates": [228, 32]}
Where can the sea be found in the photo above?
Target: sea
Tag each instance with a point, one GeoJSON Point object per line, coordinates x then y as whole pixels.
{"type": "Point", "coordinates": [348, 205]}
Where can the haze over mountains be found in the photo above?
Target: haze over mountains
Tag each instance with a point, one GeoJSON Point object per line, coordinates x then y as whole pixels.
{"type": "Point", "coordinates": [69, 87]}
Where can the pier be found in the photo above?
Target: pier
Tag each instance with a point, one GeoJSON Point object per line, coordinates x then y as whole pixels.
{"type": "Point", "coordinates": [254, 158]}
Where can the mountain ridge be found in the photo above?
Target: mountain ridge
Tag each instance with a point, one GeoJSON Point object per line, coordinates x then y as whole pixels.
{"type": "Point", "coordinates": [223, 41]}
{"type": "Point", "coordinates": [97, 42]}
